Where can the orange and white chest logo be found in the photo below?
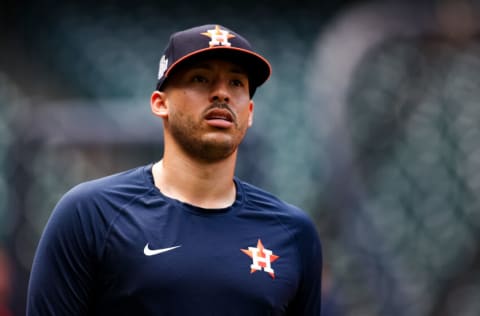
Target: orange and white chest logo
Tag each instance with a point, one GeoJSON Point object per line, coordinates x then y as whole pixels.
{"type": "Point", "coordinates": [218, 37]}
{"type": "Point", "coordinates": [262, 258]}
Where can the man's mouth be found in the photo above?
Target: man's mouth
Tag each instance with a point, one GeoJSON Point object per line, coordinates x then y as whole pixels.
{"type": "Point", "coordinates": [219, 114]}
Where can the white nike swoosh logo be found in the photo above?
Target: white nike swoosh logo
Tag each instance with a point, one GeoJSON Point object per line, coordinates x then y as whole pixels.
{"type": "Point", "coordinates": [152, 252]}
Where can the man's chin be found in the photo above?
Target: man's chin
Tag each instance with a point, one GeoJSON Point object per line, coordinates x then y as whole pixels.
{"type": "Point", "coordinates": [210, 147]}
{"type": "Point", "coordinates": [215, 152]}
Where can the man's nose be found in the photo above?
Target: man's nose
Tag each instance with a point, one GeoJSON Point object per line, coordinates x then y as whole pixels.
{"type": "Point", "coordinates": [220, 92]}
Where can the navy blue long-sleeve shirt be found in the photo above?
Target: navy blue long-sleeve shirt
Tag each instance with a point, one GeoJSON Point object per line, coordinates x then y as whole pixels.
{"type": "Point", "coordinates": [118, 246]}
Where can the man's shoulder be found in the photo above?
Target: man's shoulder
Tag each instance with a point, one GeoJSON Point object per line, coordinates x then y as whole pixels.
{"type": "Point", "coordinates": [269, 201]}
{"type": "Point", "coordinates": [259, 194]}
{"type": "Point", "coordinates": [267, 206]}
{"type": "Point", "coordinates": [120, 185]}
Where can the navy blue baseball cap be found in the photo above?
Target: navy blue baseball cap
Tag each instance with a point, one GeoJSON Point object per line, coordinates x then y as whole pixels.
{"type": "Point", "coordinates": [213, 41]}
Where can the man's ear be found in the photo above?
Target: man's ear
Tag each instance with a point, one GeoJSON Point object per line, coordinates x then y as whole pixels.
{"type": "Point", "coordinates": [251, 107]}
{"type": "Point", "coordinates": [158, 104]}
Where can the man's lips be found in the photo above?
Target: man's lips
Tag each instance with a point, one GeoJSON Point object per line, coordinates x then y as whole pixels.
{"type": "Point", "coordinates": [221, 118]}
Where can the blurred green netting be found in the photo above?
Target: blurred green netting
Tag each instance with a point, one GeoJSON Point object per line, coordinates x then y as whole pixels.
{"type": "Point", "coordinates": [414, 119]}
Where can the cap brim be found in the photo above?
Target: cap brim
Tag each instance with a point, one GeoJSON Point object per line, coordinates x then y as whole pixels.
{"type": "Point", "coordinates": [257, 67]}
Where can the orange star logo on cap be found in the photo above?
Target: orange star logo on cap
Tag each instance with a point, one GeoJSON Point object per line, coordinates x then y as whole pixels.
{"type": "Point", "coordinates": [218, 37]}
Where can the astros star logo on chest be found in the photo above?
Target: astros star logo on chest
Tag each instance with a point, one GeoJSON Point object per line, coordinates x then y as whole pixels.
{"type": "Point", "coordinates": [262, 258]}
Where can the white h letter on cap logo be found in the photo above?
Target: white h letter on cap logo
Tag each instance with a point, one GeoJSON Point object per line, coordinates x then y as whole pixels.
{"type": "Point", "coordinates": [218, 37]}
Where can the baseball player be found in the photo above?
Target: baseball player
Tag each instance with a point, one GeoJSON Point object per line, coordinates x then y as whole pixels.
{"type": "Point", "coordinates": [183, 236]}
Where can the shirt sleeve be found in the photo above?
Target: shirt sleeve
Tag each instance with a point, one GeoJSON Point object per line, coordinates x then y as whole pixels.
{"type": "Point", "coordinates": [308, 301]}
{"type": "Point", "coordinates": [63, 270]}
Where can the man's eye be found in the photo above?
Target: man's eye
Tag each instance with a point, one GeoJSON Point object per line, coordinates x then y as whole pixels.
{"type": "Point", "coordinates": [199, 79]}
{"type": "Point", "coordinates": [237, 83]}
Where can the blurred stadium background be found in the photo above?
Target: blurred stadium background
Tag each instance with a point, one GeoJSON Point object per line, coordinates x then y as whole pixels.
{"type": "Point", "coordinates": [370, 122]}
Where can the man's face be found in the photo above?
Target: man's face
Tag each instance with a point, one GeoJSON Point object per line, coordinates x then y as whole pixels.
{"type": "Point", "coordinates": [208, 108]}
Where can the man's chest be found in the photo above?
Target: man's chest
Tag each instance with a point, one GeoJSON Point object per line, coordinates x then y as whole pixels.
{"type": "Point", "coordinates": [203, 259]}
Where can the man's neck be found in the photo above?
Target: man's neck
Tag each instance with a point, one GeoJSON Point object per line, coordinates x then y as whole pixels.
{"type": "Point", "coordinates": [206, 185]}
